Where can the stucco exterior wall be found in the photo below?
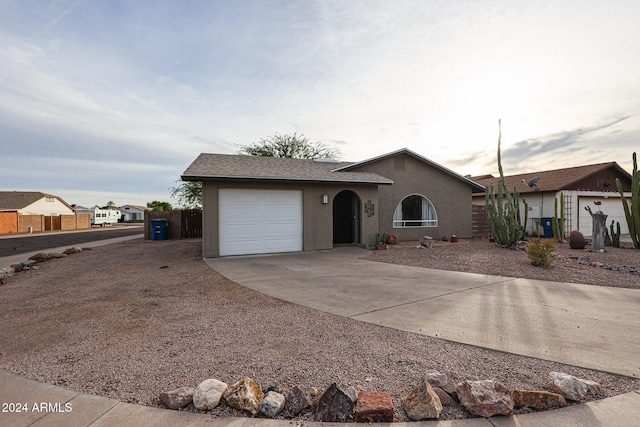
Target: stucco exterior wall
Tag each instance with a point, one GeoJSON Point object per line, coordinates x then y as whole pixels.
{"type": "Point", "coordinates": [450, 196]}
{"type": "Point", "coordinates": [317, 217]}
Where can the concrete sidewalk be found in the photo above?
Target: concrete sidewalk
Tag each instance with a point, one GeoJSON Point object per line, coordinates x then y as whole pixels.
{"type": "Point", "coordinates": [588, 326]}
{"type": "Point", "coordinates": [51, 406]}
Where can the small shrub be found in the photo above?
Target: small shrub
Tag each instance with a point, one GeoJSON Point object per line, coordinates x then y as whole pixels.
{"type": "Point", "coordinates": [541, 251]}
{"type": "Point", "coordinates": [577, 240]}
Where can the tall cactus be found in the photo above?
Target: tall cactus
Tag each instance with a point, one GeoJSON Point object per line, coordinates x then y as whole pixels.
{"type": "Point", "coordinates": [632, 213]}
{"type": "Point", "coordinates": [558, 227]}
{"type": "Point", "coordinates": [503, 210]}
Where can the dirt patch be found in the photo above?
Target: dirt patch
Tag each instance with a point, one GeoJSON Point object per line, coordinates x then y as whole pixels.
{"type": "Point", "coordinates": [130, 320]}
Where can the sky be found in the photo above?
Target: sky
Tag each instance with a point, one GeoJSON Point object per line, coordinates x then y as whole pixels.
{"type": "Point", "coordinates": [111, 100]}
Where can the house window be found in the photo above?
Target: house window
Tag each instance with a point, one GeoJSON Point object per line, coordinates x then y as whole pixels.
{"type": "Point", "coordinates": [415, 211]}
{"type": "Point", "coordinates": [49, 199]}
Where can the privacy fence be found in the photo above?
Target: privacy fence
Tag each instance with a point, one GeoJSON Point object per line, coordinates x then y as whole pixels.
{"type": "Point", "coordinates": [13, 222]}
{"type": "Point", "coordinates": [183, 223]}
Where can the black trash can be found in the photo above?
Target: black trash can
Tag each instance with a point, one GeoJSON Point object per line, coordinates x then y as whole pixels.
{"type": "Point", "coordinates": [159, 229]}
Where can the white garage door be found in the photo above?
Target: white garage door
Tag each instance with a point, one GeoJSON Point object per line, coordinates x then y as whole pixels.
{"type": "Point", "coordinates": [259, 221]}
{"type": "Point", "coordinates": [612, 207]}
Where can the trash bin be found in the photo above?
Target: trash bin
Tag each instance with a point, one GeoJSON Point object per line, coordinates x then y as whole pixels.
{"type": "Point", "coordinates": [547, 227]}
{"type": "Point", "coordinates": [159, 229]}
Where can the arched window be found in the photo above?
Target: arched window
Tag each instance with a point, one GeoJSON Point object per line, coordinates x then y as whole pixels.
{"type": "Point", "coordinates": [415, 211]}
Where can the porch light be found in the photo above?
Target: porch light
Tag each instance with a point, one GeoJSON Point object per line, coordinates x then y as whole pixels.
{"type": "Point", "coordinates": [325, 199]}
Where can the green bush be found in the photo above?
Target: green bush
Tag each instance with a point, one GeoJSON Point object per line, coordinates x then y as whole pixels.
{"type": "Point", "coordinates": [541, 252]}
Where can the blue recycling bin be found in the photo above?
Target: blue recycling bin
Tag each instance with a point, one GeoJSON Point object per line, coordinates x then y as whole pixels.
{"type": "Point", "coordinates": [547, 227]}
{"type": "Point", "coordinates": [159, 229]}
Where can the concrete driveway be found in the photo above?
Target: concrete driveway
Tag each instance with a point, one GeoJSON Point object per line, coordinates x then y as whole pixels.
{"type": "Point", "coordinates": [589, 326]}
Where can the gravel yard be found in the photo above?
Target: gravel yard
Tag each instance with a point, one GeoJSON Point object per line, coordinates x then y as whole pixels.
{"type": "Point", "coordinates": [133, 319]}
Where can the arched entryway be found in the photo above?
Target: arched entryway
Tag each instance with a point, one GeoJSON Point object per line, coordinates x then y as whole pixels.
{"type": "Point", "coordinates": [346, 218]}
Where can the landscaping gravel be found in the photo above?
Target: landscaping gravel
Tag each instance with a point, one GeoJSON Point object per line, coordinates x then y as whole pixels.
{"type": "Point", "coordinates": [133, 319]}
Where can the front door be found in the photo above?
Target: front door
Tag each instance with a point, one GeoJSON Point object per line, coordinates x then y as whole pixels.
{"type": "Point", "coordinates": [346, 218]}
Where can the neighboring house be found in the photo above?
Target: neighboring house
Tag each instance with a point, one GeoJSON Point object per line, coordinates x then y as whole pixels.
{"type": "Point", "coordinates": [590, 185]}
{"type": "Point", "coordinates": [133, 212]}
{"type": "Point", "coordinates": [255, 204]}
{"type": "Point", "coordinates": [33, 203]}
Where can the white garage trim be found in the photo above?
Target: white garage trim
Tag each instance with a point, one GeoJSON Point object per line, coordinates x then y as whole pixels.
{"type": "Point", "coordinates": [259, 221]}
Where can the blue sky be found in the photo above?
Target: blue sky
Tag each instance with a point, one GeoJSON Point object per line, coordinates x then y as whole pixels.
{"type": "Point", "coordinates": [111, 100]}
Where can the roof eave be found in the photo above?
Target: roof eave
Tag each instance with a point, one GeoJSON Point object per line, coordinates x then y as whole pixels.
{"type": "Point", "coordinates": [274, 179]}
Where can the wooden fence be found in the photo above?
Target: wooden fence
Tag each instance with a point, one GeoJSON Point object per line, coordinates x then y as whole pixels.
{"type": "Point", "coordinates": [183, 223]}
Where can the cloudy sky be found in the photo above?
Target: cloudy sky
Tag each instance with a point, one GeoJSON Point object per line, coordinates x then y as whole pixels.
{"type": "Point", "coordinates": [110, 100]}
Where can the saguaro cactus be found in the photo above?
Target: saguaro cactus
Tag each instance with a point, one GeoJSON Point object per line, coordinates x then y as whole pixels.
{"type": "Point", "coordinates": [503, 209]}
{"type": "Point", "coordinates": [632, 213]}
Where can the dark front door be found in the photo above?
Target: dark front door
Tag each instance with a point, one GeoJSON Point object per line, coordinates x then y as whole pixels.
{"type": "Point", "coordinates": [346, 219]}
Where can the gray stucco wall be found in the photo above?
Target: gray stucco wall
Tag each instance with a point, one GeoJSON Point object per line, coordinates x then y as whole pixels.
{"type": "Point", "coordinates": [317, 217]}
{"type": "Point", "coordinates": [450, 196]}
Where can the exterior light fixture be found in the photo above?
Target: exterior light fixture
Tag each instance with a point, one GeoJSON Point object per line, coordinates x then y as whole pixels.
{"type": "Point", "coordinates": [325, 199]}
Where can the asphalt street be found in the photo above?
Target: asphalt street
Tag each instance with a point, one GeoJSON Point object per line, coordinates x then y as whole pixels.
{"type": "Point", "coordinates": [10, 245]}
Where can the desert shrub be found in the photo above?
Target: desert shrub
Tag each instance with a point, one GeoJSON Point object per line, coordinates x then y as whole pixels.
{"type": "Point", "coordinates": [541, 251]}
{"type": "Point", "coordinates": [577, 240]}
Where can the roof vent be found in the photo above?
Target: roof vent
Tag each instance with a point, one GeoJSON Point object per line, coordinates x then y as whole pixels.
{"type": "Point", "coordinates": [325, 160]}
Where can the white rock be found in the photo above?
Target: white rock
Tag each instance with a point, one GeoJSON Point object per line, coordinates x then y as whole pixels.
{"type": "Point", "coordinates": [574, 388]}
{"type": "Point", "coordinates": [208, 394]}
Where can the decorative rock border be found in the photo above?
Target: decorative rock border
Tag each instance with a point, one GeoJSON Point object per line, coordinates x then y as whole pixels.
{"type": "Point", "coordinates": [483, 398]}
{"type": "Point", "coordinates": [31, 263]}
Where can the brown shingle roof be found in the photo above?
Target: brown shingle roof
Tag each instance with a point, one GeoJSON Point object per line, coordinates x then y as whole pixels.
{"type": "Point", "coordinates": [244, 167]}
{"type": "Point", "coordinates": [16, 200]}
{"type": "Point", "coordinates": [552, 180]}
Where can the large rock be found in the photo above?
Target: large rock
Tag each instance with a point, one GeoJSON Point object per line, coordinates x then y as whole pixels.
{"type": "Point", "coordinates": [272, 404]}
{"type": "Point", "coordinates": [39, 257]}
{"type": "Point", "coordinates": [334, 405]}
{"type": "Point", "coordinates": [436, 378]}
{"type": "Point", "coordinates": [178, 398]}
{"type": "Point", "coordinates": [422, 403]}
{"type": "Point", "coordinates": [444, 397]}
{"type": "Point", "coordinates": [73, 250]}
{"type": "Point", "coordinates": [208, 393]}
{"type": "Point", "coordinates": [574, 388]}
{"type": "Point", "coordinates": [374, 407]}
{"type": "Point", "coordinates": [56, 255]}
{"type": "Point", "coordinates": [297, 402]}
{"type": "Point", "coordinates": [485, 398]}
{"type": "Point", "coordinates": [244, 396]}
{"type": "Point", "coordinates": [538, 399]}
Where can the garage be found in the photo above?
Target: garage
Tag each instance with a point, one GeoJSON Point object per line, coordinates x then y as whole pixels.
{"type": "Point", "coordinates": [611, 206]}
{"type": "Point", "coordinates": [255, 221]}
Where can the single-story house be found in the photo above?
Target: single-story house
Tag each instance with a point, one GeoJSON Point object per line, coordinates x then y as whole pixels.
{"type": "Point", "coordinates": [33, 203]}
{"type": "Point", "coordinates": [33, 211]}
{"type": "Point", "coordinates": [592, 186]}
{"type": "Point", "coordinates": [133, 212]}
{"type": "Point", "coordinates": [255, 204]}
